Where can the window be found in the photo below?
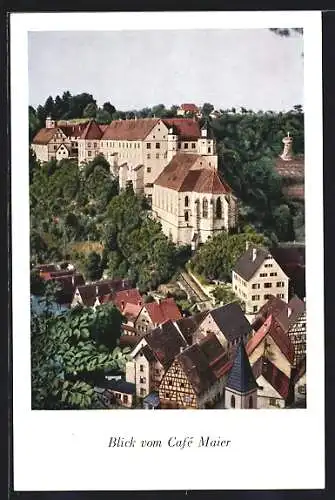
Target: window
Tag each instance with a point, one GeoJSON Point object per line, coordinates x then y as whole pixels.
{"type": "Point", "coordinates": [185, 145]}
{"type": "Point", "coordinates": [148, 145]}
{"type": "Point", "coordinates": [186, 216]}
{"type": "Point", "coordinates": [255, 297]}
{"type": "Point", "coordinates": [157, 372]}
{"type": "Point", "coordinates": [263, 275]}
{"type": "Point", "coordinates": [208, 150]}
{"type": "Point", "coordinates": [167, 394]}
{"type": "Point", "coordinates": [273, 274]}
{"type": "Point", "coordinates": [280, 284]}
{"type": "Point", "coordinates": [205, 208]}
{"type": "Point", "coordinates": [179, 145]}
{"type": "Point", "coordinates": [182, 385]}
{"type": "Point", "coordinates": [272, 402]}
{"type": "Point", "coordinates": [254, 309]}
{"type": "Point", "coordinates": [141, 368]}
{"type": "Point", "coordinates": [148, 169]}
{"type": "Point", "coordinates": [89, 153]}
{"type": "Point", "coordinates": [267, 285]}
{"type": "Point", "coordinates": [250, 402]}
{"type": "Point", "coordinates": [55, 147]}
{"type": "Point", "coordinates": [218, 209]}
{"type": "Point", "coordinates": [142, 392]}
{"type": "Point", "coordinates": [148, 156]}
{"type": "Point", "coordinates": [143, 380]}
{"type": "Point", "coordinates": [157, 156]}
{"type": "Point", "coordinates": [186, 201]}
{"type": "Point", "coordinates": [170, 382]}
{"type": "Point", "coordinates": [256, 285]}
{"type": "Point", "coordinates": [268, 265]}
{"type": "Point", "coordinates": [267, 296]}
{"type": "Point", "coordinates": [302, 389]}
{"type": "Point", "coordinates": [158, 145]}
{"type": "Point", "coordinates": [88, 144]}
{"type": "Point", "coordinates": [193, 145]}
{"type": "Point", "coordinates": [94, 144]}
{"type": "Point", "coordinates": [280, 295]}
{"type": "Point", "coordinates": [125, 398]}
{"type": "Point", "coordinates": [232, 401]}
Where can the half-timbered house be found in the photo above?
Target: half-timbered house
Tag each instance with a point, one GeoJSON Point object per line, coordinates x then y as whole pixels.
{"type": "Point", "coordinates": [273, 384]}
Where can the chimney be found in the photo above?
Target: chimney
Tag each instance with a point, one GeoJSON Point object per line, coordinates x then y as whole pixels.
{"type": "Point", "coordinates": [254, 254]}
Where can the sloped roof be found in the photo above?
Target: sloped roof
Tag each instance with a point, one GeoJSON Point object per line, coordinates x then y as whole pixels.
{"type": "Point", "coordinates": [196, 368]}
{"type": "Point", "coordinates": [162, 311]}
{"type": "Point", "coordinates": [125, 297]}
{"type": "Point", "coordinates": [275, 330]}
{"type": "Point", "coordinates": [91, 131]}
{"type": "Point", "coordinates": [289, 258]}
{"type": "Point", "coordinates": [74, 129]}
{"type": "Point", "coordinates": [241, 377]}
{"type": "Point", "coordinates": [45, 135]}
{"type": "Point", "coordinates": [273, 306]}
{"type": "Point", "coordinates": [189, 325]}
{"type": "Point", "coordinates": [177, 175]}
{"type": "Point", "coordinates": [275, 377]}
{"type": "Point", "coordinates": [246, 266]}
{"type": "Point", "coordinates": [288, 317]}
{"type": "Point", "coordinates": [129, 130]}
{"type": "Point", "coordinates": [165, 342]}
{"type": "Point", "coordinates": [185, 128]}
{"type": "Point", "coordinates": [293, 168]}
{"type": "Point", "coordinates": [231, 320]}
{"type": "Point", "coordinates": [131, 311]}
{"type": "Point", "coordinates": [147, 352]}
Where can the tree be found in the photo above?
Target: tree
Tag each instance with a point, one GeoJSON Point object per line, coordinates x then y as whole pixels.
{"type": "Point", "coordinates": [90, 110]}
{"type": "Point", "coordinates": [224, 294]}
{"type": "Point", "coordinates": [107, 106]}
{"type": "Point", "coordinates": [93, 269]}
{"type": "Point", "coordinates": [207, 108]}
{"type": "Point", "coordinates": [103, 116]}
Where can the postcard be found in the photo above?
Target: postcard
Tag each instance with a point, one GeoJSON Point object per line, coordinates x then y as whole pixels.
{"type": "Point", "coordinates": [167, 225]}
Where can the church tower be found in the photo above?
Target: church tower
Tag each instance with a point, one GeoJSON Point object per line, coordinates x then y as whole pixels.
{"type": "Point", "coordinates": [241, 387]}
{"type": "Point", "coordinates": [287, 153]}
{"type": "Point", "coordinates": [206, 146]}
{"type": "Point", "coordinates": [49, 123]}
{"type": "Point", "coordinates": [172, 145]}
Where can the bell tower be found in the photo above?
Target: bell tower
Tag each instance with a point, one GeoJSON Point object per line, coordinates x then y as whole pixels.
{"type": "Point", "coordinates": [241, 387]}
{"type": "Point", "coordinates": [172, 144]}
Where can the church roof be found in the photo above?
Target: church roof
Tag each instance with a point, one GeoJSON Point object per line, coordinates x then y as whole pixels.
{"type": "Point", "coordinates": [240, 377]}
{"type": "Point", "coordinates": [180, 176]}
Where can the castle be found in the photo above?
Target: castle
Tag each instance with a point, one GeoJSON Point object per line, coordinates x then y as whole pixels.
{"type": "Point", "coordinates": [171, 161]}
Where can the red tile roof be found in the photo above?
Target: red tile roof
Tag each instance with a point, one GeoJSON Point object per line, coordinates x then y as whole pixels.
{"type": "Point", "coordinates": [73, 130]}
{"type": "Point", "coordinates": [275, 377]}
{"type": "Point", "coordinates": [131, 311]}
{"type": "Point", "coordinates": [162, 311]}
{"type": "Point", "coordinates": [185, 128]}
{"type": "Point", "coordinates": [272, 327]}
{"type": "Point", "coordinates": [129, 130]}
{"type": "Point", "coordinates": [131, 296]}
{"type": "Point", "coordinates": [92, 131]}
{"type": "Point", "coordinates": [189, 107]}
{"type": "Point", "coordinates": [45, 135]}
{"type": "Point", "coordinates": [179, 175]}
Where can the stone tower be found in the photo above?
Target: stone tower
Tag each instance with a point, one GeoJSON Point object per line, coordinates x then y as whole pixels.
{"type": "Point", "coordinates": [172, 144]}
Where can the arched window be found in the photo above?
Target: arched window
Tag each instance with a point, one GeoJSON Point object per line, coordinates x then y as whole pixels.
{"type": "Point", "coordinates": [205, 208]}
{"type": "Point", "coordinates": [232, 401]}
{"type": "Point", "coordinates": [218, 212]}
{"type": "Point", "coordinates": [186, 216]}
{"type": "Point", "coordinates": [186, 201]}
{"type": "Point", "coordinates": [250, 402]}
{"type": "Point", "coordinates": [197, 208]}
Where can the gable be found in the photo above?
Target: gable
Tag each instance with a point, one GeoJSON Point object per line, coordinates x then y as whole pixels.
{"type": "Point", "coordinates": [159, 132]}
{"type": "Point", "coordinates": [176, 387]}
{"type": "Point", "coordinates": [138, 347]}
{"type": "Point", "coordinates": [266, 389]}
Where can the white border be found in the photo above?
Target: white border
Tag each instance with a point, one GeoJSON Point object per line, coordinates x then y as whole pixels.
{"type": "Point", "coordinates": [281, 449]}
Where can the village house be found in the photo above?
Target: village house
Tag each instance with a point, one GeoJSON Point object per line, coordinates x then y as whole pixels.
{"type": "Point", "coordinates": [271, 342]}
{"type": "Point", "coordinates": [155, 313]}
{"type": "Point", "coordinates": [241, 387]}
{"type": "Point", "coordinates": [152, 356]}
{"type": "Point", "coordinates": [56, 142]}
{"type": "Point", "coordinates": [273, 384]}
{"type": "Point", "coordinates": [228, 323]}
{"type": "Point", "coordinates": [191, 200]}
{"type": "Point", "coordinates": [196, 378]}
{"type": "Point", "coordinates": [291, 168]}
{"type": "Point", "coordinates": [187, 109]}
{"type": "Point", "coordinates": [94, 294]}
{"type": "Point", "coordinates": [256, 276]}
{"type": "Point", "coordinates": [116, 392]}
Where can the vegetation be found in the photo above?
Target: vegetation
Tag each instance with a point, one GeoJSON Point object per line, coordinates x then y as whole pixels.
{"type": "Point", "coordinates": [216, 258]}
{"type": "Point", "coordinates": [223, 294]}
{"type": "Point", "coordinates": [69, 351]}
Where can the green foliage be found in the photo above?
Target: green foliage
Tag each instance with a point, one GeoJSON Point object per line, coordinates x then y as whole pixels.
{"type": "Point", "coordinates": [69, 351]}
{"type": "Point", "coordinates": [223, 294]}
{"type": "Point", "coordinates": [90, 110]}
{"type": "Point", "coordinates": [93, 267]}
{"type": "Point", "coordinates": [216, 258]}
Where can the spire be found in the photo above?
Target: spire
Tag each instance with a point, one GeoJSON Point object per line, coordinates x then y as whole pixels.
{"type": "Point", "coordinates": [287, 152]}
{"type": "Point", "coordinates": [241, 378]}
